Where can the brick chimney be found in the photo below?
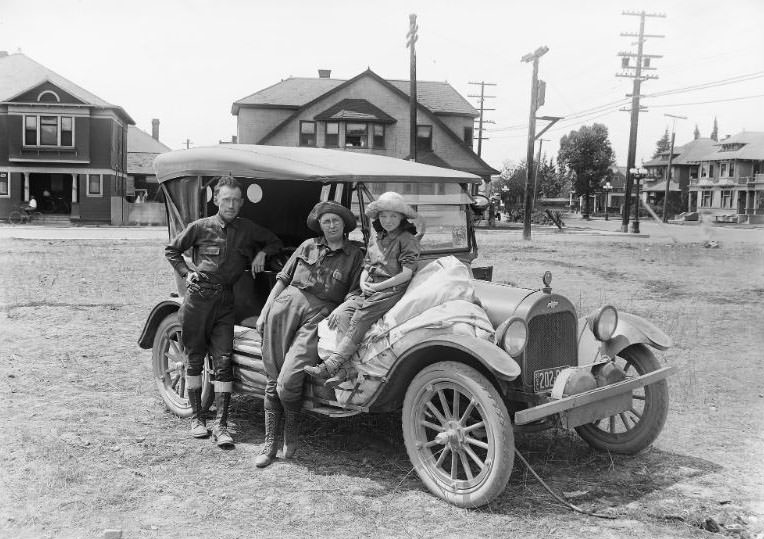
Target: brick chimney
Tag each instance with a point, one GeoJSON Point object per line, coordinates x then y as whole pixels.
{"type": "Point", "coordinates": [155, 129]}
{"type": "Point", "coordinates": [324, 73]}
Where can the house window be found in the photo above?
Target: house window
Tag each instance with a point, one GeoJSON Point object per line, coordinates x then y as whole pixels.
{"type": "Point", "coordinates": [5, 185]}
{"type": "Point", "coordinates": [706, 198]}
{"type": "Point", "coordinates": [307, 133]}
{"type": "Point", "coordinates": [356, 135]}
{"type": "Point", "coordinates": [379, 135]}
{"type": "Point", "coordinates": [332, 135]}
{"type": "Point", "coordinates": [710, 170]}
{"type": "Point", "coordinates": [67, 137]}
{"type": "Point", "coordinates": [726, 198]}
{"type": "Point", "coordinates": [95, 185]}
{"type": "Point", "coordinates": [48, 131]}
{"type": "Point", "coordinates": [424, 137]}
{"type": "Point", "coordinates": [722, 170]}
{"type": "Point", "coordinates": [30, 130]}
{"type": "Point", "coordinates": [732, 169]}
{"type": "Point", "coordinates": [468, 136]}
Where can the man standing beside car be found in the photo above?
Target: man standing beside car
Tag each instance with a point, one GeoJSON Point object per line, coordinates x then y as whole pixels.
{"type": "Point", "coordinates": [222, 246]}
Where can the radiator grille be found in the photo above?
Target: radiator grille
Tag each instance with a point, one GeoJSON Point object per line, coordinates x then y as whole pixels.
{"type": "Point", "coordinates": [551, 343]}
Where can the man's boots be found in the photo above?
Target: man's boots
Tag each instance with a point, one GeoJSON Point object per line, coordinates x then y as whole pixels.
{"type": "Point", "coordinates": [291, 428]}
{"type": "Point", "coordinates": [220, 431]}
{"type": "Point", "coordinates": [198, 425]}
{"type": "Point", "coordinates": [273, 413]}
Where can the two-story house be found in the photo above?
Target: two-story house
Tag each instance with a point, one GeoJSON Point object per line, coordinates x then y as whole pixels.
{"type": "Point", "coordinates": [684, 169]}
{"type": "Point", "coordinates": [731, 178]}
{"type": "Point", "coordinates": [59, 143]}
{"type": "Point", "coordinates": [364, 114]}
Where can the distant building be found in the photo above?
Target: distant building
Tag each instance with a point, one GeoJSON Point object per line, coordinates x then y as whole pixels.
{"type": "Point", "coordinates": [684, 168]}
{"type": "Point", "coordinates": [730, 178]}
{"type": "Point", "coordinates": [364, 114]}
{"type": "Point", "coordinates": [143, 203]}
{"type": "Point", "coordinates": [59, 143]}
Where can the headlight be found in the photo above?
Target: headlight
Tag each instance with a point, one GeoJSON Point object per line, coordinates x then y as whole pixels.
{"type": "Point", "coordinates": [515, 337]}
{"type": "Point", "coordinates": [604, 322]}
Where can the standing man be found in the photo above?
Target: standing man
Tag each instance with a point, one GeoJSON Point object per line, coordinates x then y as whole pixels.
{"type": "Point", "coordinates": [223, 245]}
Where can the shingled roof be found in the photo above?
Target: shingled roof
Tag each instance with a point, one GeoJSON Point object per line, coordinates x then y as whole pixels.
{"type": "Point", "coordinates": [293, 93]}
{"type": "Point", "coordinates": [142, 148]}
{"type": "Point", "coordinates": [355, 109]}
{"type": "Point", "coordinates": [19, 73]}
{"type": "Point", "coordinates": [686, 154]}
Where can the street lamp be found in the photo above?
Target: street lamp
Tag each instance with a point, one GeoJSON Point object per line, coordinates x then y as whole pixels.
{"type": "Point", "coordinates": [607, 187]}
{"type": "Point", "coordinates": [637, 174]}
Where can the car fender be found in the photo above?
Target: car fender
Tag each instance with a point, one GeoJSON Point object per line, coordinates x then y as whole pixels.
{"type": "Point", "coordinates": [160, 311]}
{"type": "Point", "coordinates": [631, 329]}
{"type": "Point", "coordinates": [491, 356]}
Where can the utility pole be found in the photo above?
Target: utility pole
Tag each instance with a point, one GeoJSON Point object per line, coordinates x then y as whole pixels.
{"type": "Point", "coordinates": [188, 143]}
{"type": "Point", "coordinates": [643, 63]}
{"type": "Point", "coordinates": [482, 97]}
{"type": "Point", "coordinates": [412, 39]}
{"type": "Point", "coordinates": [536, 171]}
{"type": "Point", "coordinates": [668, 168]}
{"type": "Point", "coordinates": [531, 57]}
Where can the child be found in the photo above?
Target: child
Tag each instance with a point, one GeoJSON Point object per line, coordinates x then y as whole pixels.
{"type": "Point", "coordinates": [388, 267]}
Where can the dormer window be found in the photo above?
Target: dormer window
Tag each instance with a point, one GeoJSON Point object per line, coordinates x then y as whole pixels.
{"type": "Point", "coordinates": [48, 130]}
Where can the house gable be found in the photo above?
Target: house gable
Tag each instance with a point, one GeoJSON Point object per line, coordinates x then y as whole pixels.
{"type": "Point", "coordinates": [47, 93]}
{"type": "Point", "coordinates": [391, 98]}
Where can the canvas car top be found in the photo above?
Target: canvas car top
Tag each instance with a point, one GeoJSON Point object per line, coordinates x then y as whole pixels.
{"type": "Point", "coordinates": [307, 164]}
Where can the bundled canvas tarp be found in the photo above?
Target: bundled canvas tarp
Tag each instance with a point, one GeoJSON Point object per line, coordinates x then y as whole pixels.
{"type": "Point", "coordinates": [440, 300]}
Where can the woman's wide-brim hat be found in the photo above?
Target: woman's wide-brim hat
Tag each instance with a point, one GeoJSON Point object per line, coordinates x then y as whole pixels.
{"type": "Point", "coordinates": [330, 207]}
{"type": "Point", "coordinates": [390, 201]}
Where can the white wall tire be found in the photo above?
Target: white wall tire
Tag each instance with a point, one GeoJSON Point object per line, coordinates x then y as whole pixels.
{"type": "Point", "coordinates": [634, 430]}
{"type": "Point", "coordinates": [169, 363]}
{"type": "Point", "coordinates": [458, 434]}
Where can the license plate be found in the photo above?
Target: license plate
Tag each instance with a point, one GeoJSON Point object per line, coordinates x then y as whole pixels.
{"type": "Point", "coordinates": [544, 379]}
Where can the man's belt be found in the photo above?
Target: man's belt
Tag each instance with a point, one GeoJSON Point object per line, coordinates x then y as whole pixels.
{"type": "Point", "coordinates": [212, 286]}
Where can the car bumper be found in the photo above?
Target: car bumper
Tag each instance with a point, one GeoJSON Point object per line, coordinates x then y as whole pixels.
{"type": "Point", "coordinates": [591, 405]}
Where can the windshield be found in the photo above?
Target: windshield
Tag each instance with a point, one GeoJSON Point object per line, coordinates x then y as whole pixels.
{"type": "Point", "coordinates": [442, 208]}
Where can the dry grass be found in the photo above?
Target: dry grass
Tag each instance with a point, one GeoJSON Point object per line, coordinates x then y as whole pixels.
{"type": "Point", "coordinates": [88, 444]}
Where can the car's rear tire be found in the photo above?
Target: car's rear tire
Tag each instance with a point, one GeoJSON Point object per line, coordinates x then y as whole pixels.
{"type": "Point", "coordinates": [458, 434]}
{"type": "Point", "coordinates": [634, 430]}
{"type": "Point", "coordinates": [169, 362]}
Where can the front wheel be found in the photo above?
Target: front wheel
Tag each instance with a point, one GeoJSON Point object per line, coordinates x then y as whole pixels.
{"type": "Point", "coordinates": [170, 361]}
{"type": "Point", "coordinates": [16, 217]}
{"type": "Point", "coordinates": [458, 434]}
{"type": "Point", "coordinates": [636, 429]}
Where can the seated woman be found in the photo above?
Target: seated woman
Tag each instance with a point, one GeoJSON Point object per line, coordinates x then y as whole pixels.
{"type": "Point", "coordinates": [389, 265]}
{"type": "Point", "coordinates": [317, 277]}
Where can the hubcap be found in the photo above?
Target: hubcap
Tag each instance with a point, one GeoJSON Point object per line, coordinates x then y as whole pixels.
{"type": "Point", "coordinates": [455, 440]}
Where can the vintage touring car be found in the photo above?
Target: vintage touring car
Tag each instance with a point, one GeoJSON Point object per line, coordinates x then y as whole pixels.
{"type": "Point", "coordinates": [462, 394]}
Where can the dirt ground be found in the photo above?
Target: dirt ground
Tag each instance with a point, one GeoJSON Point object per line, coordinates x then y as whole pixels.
{"type": "Point", "coordinates": [89, 446]}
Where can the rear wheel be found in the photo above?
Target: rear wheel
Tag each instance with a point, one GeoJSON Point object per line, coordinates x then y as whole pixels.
{"type": "Point", "coordinates": [458, 434]}
{"type": "Point", "coordinates": [636, 429]}
{"type": "Point", "coordinates": [16, 217]}
{"type": "Point", "coordinates": [170, 362]}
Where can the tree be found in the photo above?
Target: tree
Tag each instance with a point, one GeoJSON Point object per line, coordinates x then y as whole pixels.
{"type": "Point", "coordinates": [552, 182]}
{"type": "Point", "coordinates": [588, 153]}
{"type": "Point", "coordinates": [715, 132]}
{"type": "Point", "coordinates": [663, 145]}
{"type": "Point", "coordinates": [511, 184]}
{"type": "Point", "coordinates": [696, 133]}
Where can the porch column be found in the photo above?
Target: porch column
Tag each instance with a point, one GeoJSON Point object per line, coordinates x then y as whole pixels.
{"type": "Point", "coordinates": [75, 189]}
{"type": "Point", "coordinates": [26, 186]}
{"type": "Point", "coordinates": [75, 213]}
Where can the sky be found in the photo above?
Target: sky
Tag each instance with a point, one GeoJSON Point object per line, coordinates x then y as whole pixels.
{"type": "Point", "coordinates": [186, 61]}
